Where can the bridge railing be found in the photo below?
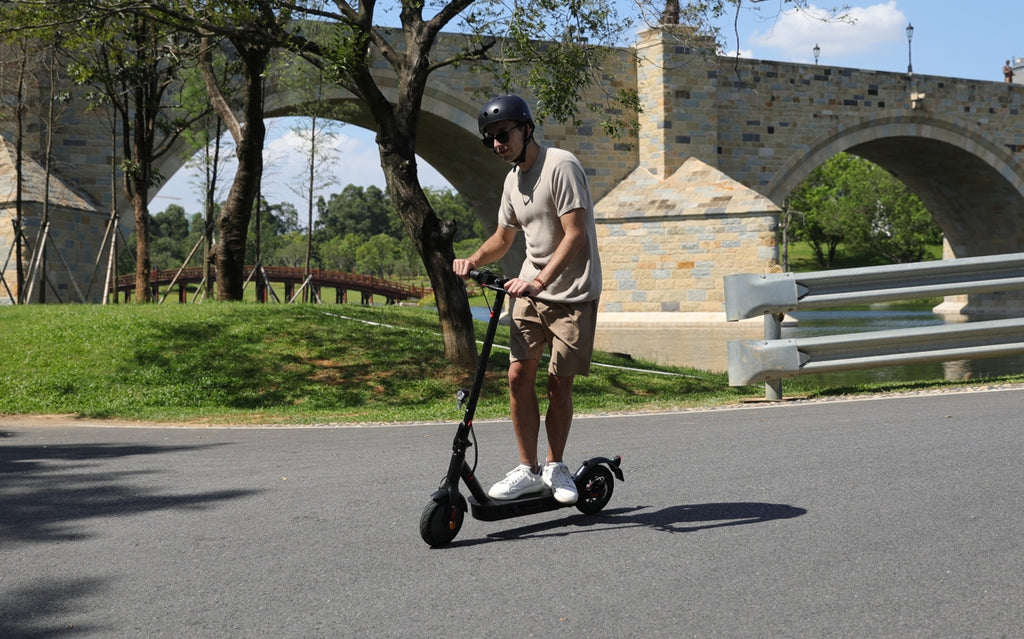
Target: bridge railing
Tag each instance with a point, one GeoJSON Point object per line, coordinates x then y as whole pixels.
{"type": "Point", "coordinates": [773, 294]}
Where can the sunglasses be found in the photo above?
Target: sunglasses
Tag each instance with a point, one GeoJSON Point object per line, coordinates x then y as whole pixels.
{"type": "Point", "coordinates": [502, 137]}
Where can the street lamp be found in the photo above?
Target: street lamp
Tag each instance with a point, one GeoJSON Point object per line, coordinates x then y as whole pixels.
{"type": "Point", "coordinates": [817, 52]}
{"type": "Point", "coordinates": [910, 36]}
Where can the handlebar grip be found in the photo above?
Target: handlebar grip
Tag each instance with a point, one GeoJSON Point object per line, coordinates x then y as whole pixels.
{"type": "Point", "coordinates": [483, 277]}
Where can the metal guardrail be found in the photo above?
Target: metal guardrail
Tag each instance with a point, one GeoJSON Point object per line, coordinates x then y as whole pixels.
{"type": "Point", "coordinates": [773, 294]}
{"type": "Point", "coordinates": [750, 295]}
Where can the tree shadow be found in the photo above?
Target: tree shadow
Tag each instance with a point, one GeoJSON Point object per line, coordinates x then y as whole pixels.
{"type": "Point", "coordinates": [674, 519]}
{"type": "Point", "coordinates": [29, 612]}
{"type": "Point", "coordinates": [45, 491]}
{"type": "Point", "coordinates": [48, 493]}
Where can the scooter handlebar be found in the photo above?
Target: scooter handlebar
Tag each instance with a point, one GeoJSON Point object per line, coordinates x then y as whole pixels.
{"type": "Point", "coordinates": [483, 277]}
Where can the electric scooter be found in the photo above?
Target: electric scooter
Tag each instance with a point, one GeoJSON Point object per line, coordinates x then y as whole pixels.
{"type": "Point", "coordinates": [442, 518]}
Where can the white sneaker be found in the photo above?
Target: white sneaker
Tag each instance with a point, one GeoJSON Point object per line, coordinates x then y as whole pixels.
{"type": "Point", "coordinates": [557, 477]}
{"type": "Point", "coordinates": [520, 481]}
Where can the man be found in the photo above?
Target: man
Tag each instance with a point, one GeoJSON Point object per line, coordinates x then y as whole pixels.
{"type": "Point", "coordinates": [545, 195]}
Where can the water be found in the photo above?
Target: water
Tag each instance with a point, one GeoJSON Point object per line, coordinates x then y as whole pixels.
{"type": "Point", "coordinates": [702, 345]}
{"type": "Point", "coordinates": [814, 323]}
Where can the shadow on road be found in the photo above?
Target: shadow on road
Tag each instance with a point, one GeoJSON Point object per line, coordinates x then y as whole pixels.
{"type": "Point", "coordinates": [46, 490]}
{"type": "Point", "coordinates": [29, 612]}
{"type": "Point", "coordinates": [48, 494]}
{"type": "Point", "coordinates": [675, 519]}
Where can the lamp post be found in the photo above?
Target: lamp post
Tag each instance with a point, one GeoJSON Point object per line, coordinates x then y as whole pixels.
{"type": "Point", "coordinates": [817, 52]}
{"type": "Point", "coordinates": [910, 36]}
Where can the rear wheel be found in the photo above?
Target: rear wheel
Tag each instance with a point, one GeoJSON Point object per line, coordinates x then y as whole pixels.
{"type": "Point", "coordinates": [440, 522]}
{"type": "Point", "coordinates": [595, 487]}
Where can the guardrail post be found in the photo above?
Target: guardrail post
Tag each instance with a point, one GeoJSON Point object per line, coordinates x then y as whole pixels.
{"type": "Point", "coordinates": [772, 331]}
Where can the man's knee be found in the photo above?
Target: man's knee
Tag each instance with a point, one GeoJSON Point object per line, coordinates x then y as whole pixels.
{"type": "Point", "coordinates": [560, 386]}
{"type": "Point", "coordinates": [522, 376]}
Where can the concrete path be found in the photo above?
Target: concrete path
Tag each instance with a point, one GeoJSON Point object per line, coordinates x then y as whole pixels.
{"type": "Point", "coordinates": [896, 517]}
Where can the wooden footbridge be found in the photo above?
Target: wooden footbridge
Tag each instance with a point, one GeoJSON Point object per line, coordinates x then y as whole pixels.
{"type": "Point", "coordinates": [182, 280]}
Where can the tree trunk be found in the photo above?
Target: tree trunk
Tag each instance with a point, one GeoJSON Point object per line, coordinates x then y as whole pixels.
{"type": "Point", "coordinates": [143, 293]}
{"type": "Point", "coordinates": [213, 178]}
{"type": "Point", "coordinates": [233, 221]}
{"type": "Point", "coordinates": [397, 124]}
{"type": "Point", "coordinates": [433, 240]}
{"type": "Point", "coordinates": [138, 177]}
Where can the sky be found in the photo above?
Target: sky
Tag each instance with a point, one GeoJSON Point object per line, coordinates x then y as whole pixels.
{"type": "Point", "coordinates": [950, 38]}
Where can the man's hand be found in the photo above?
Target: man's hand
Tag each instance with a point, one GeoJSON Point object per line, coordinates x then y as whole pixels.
{"type": "Point", "coordinates": [521, 288]}
{"type": "Point", "coordinates": [463, 267]}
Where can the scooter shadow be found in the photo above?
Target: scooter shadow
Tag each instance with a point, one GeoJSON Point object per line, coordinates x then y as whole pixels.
{"type": "Point", "coordinates": [675, 519]}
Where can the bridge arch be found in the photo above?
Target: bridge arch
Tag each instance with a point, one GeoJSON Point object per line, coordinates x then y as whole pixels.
{"type": "Point", "coordinates": [970, 183]}
{"type": "Point", "coordinates": [448, 140]}
{"type": "Point", "coordinates": [719, 141]}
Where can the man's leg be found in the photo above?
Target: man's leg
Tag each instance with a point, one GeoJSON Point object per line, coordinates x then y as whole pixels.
{"type": "Point", "coordinates": [559, 415]}
{"type": "Point", "coordinates": [523, 479]}
{"type": "Point", "coordinates": [559, 418]}
{"type": "Point", "coordinates": [522, 385]}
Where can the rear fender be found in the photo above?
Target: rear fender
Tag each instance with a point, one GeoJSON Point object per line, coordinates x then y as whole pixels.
{"type": "Point", "coordinates": [612, 464]}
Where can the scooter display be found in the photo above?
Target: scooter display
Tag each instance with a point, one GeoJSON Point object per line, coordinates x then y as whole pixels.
{"type": "Point", "coordinates": [442, 518]}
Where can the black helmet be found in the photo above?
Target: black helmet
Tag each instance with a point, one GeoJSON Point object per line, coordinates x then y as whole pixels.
{"type": "Point", "coordinates": [506, 107]}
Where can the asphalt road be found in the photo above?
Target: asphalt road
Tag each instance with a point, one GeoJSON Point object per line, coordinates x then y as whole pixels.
{"type": "Point", "coordinates": [897, 517]}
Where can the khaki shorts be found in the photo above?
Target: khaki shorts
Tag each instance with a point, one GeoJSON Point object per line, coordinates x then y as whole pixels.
{"type": "Point", "coordinates": [566, 329]}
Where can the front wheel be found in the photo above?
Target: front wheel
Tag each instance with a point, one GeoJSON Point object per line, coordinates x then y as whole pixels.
{"type": "Point", "coordinates": [440, 521]}
{"type": "Point", "coordinates": [595, 487]}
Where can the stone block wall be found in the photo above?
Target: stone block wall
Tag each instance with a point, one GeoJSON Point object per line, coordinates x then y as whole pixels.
{"type": "Point", "coordinates": [690, 198]}
{"type": "Point", "coordinates": [666, 245]}
{"type": "Point", "coordinates": [75, 239]}
{"type": "Point", "coordinates": [75, 234]}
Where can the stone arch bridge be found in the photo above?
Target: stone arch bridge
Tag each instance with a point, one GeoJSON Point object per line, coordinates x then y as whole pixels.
{"type": "Point", "coordinates": [695, 195]}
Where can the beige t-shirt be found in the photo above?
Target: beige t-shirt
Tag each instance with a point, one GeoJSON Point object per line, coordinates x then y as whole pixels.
{"type": "Point", "coordinates": [534, 201]}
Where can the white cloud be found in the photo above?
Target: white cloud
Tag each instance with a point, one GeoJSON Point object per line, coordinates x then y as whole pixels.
{"type": "Point", "coordinates": [353, 162]}
{"type": "Point", "coordinates": [743, 53]}
{"type": "Point", "coordinates": [794, 33]}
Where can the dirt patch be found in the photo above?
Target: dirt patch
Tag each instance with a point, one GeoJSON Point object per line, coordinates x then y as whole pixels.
{"type": "Point", "coordinates": [70, 419]}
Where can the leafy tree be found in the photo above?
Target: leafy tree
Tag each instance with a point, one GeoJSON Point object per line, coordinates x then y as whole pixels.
{"type": "Point", "coordinates": [409, 263]}
{"type": "Point", "coordinates": [320, 118]}
{"type": "Point", "coordinates": [171, 223]}
{"type": "Point", "coordinates": [851, 201]}
{"type": "Point", "coordinates": [899, 227]}
{"type": "Point", "coordinates": [169, 235]}
{"type": "Point", "coordinates": [248, 134]}
{"type": "Point", "coordinates": [341, 253]}
{"type": "Point", "coordinates": [277, 221]}
{"type": "Point", "coordinates": [17, 54]}
{"type": "Point", "coordinates": [378, 255]}
{"type": "Point", "coordinates": [291, 250]}
{"type": "Point", "coordinates": [135, 61]}
{"type": "Point", "coordinates": [358, 211]}
{"type": "Point", "coordinates": [450, 205]}
{"type": "Point", "coordinates": [502, 34]}
{"type": "Point", "coordinates": [208, 139]}
{"type": "Point", "coordinates": [823, 217]}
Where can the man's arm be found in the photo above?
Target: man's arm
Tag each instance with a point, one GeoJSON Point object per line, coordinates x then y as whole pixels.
{"type": "Point", "coordinates": [574, 239]}
{"type": "Point", "coordinates": [492, 250]}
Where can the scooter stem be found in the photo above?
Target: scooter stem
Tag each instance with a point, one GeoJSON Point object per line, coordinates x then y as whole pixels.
{"type": "Point", "coordinates": [485, 355]}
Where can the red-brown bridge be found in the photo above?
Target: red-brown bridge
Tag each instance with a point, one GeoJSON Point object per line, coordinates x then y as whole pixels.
{"type": "Point", "coordinates": [316, 280]}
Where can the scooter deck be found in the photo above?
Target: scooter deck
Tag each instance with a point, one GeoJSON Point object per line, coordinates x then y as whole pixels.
{"type": "Point", "coordinates": [493, 510]}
